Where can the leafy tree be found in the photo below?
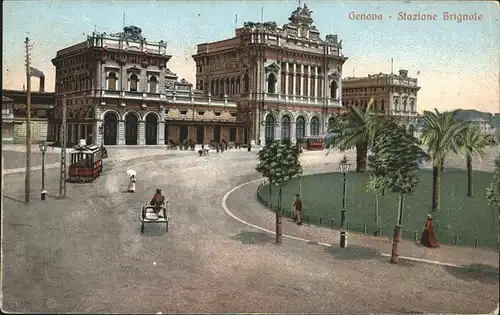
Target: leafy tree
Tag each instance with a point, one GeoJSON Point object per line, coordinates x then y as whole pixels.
{"type": "Point", "coordinates": [441, 134]}
{"type": "Point", "coordinates": [279, 163]}
{"type": "Point", "coordinates": [493, 192]}
{"type": "Point", "coordinates": [357, 131]}
{"type": "Point", "coordinates": [395, 165]}
{"type": "Point", "coordinates": [472, 143]}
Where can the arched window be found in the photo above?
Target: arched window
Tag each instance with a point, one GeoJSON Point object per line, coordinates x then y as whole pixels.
{"type": "Point", "coordinates": [285, 129]}
{"type": "Point", "coordinates": [333, 90]}
{"type": "Point", "coordinates": [201, 85]}
{"type": "Point", "coordinates": [212, 90]}
{"type": "Point", "coordinates": [269, 129]}
{"type": "Point", "coordinates": [396, 104]}
{"type": "Point", "coordinates": [232, 86]}
{"type": "Point", "coordinates": [300, 130]}
{"type": "Point", "coordinates": [315, 126]}
{"type": "Point", "coordinates": [375, 105]}
{"type": "Point", "coordinates": [226, 90]}
{"type": "Point", "coordinates": [356, 103]}
{"type": "Point", "coordinates": [331, 123]}
{"type": "Point", "coordinates": [271, 84]}
{"type": "Point", "coordinates": [112, 78]}
{"type": "Point", "coordinates": [134, 80]}
{"type": "Point", "coordinates": [238, 84]}
{"type": "Point", "coordinates": [217, 87]}
{"type": "Point", "coordinates": [153, 85]}
{"type": "Point", "coordinates": [411, 130]}
{"type": "Point", "coordinates": [405, 105]}
{"type": "Point", "coordinates": [246, 82]}
{"type": "Point", "coordinates": [382, 105]}
{"type": "Point", "coordinates": [412, 105]}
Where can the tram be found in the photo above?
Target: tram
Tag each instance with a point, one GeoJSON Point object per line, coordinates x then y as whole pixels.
{"type": "Point", "coordinates": [86, 163]}
{"type": "Point", "coordinates": [313, 143]}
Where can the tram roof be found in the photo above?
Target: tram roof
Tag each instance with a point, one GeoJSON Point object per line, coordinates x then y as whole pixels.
{"type": "Point", "coordinates": [87, 149]}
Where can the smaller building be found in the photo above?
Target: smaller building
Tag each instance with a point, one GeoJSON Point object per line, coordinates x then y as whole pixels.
{"type": "Point", "coordinates": [14, 115]}
{"type": "Point", "coordinates": [394, 94]}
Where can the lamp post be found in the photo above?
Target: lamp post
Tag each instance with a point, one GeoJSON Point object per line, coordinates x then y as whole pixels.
{"type": "Point", "coordinates": [344, 168]}
{"type": "Point", "coordinates": [101, 132]}
{"type": "Point", "coordinates": [43, 149]}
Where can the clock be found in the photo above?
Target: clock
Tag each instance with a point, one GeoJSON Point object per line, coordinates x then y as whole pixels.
{"type": "Point", "coordinates": [304, 31]}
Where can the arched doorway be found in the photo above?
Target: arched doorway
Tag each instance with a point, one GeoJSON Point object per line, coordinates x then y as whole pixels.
{"type": "Point", "coordinates": [110, 128]}
{"type": "Point", "coordinates": [131, 123]}
{"type": "Point", "coordinates": [151, 129]}
{"type": "Point", "coordinates": [300, 131]}
{"type": "Point", "coordinates": [285, 129]}
{"type": "Point", "coordinates": [269, 129]}
{"type": "Point", "coordinates": [331, 123]}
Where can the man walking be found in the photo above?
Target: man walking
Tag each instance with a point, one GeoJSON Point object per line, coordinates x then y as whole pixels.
{"type": "Point", "coordinates": [297, 208]}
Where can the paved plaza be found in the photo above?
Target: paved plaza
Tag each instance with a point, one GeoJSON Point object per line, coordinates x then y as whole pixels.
{"type": "Point", "coordinates": [85, 253]}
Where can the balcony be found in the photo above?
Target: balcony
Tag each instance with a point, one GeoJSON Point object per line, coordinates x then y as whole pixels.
{"type": "Point", "coordinates": [301, 100]}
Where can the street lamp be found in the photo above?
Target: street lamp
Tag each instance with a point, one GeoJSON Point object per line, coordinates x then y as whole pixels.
{"type": "Point", "coordinates": [43, 149]}
{"type": "Point", "coordinates": [101, 132]}
{"type": "Point", "coordinates": [344, 168]}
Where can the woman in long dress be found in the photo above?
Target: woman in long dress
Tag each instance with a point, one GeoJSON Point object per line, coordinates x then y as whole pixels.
{"type": "Point", "coordinates": [131, 184]}
{"type": "Point", "coordinates": [428, 239]}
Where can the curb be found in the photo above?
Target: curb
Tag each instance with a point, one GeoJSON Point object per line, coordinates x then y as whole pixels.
{"type": "Point", "coordinates": [229, 213]}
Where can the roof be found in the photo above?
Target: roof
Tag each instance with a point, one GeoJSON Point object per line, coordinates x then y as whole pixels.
{"type": "Point", "coordinates": [92, 148]}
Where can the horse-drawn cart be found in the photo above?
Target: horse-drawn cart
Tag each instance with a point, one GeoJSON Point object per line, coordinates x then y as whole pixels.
{"type": "Point", "coordinates": [149, 215]}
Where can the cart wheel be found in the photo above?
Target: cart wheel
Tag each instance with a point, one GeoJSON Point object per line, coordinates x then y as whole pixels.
{"type": "Point", "coordinates": [166, 227]}
{"type": "Point", "coordinates": [142, 228]}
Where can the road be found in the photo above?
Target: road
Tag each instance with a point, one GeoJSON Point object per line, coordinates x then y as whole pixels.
{"type": "Point", "coordinates": [86, 254]}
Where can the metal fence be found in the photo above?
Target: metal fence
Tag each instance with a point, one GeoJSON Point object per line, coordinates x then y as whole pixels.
{"type": "Point", "coordinates": [376, 230]}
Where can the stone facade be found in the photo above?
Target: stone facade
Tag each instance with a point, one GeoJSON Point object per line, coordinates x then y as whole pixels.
{"type": "Point", "coordinates": [276, 75]}
{"type": "Point", "coordinates": [119, 91]}
{"type": "Point", "coordinates": [393, 94]}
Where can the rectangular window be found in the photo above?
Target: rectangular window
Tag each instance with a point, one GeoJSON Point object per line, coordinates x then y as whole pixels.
{"type": "Point", "coordinates": [183, 112]}
{"type": "Point", "coordinates": [201, 113]}
{"type": "Point", "coordinates": [217, 114]}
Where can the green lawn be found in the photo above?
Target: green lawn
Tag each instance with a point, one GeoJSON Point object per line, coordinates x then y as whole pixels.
{"type": "Point", "coordinates": [462, 216]}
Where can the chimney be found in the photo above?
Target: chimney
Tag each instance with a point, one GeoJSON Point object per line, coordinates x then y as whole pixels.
{"type": "Point", "coordinates": [42, 84]}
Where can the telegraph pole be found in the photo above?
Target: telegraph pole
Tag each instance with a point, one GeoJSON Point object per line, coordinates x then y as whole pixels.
{"type": "Point", "coordinates": [28, 121]}
{"type": "Point", "coordinates": [62, 179]}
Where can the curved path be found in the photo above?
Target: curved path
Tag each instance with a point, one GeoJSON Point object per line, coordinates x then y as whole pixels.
{"type": "Point", "coordinates": [85, 253]}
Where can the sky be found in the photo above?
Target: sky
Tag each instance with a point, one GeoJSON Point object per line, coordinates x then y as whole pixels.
{"type": "Point", "coordinates": [457, 63]}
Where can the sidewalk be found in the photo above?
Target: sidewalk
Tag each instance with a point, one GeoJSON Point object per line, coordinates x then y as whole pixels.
{"type": "Point", "coordinates": [243, 204]}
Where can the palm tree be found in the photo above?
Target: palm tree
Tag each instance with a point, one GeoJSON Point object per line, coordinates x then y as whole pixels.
{"type": "Point", "coordinates": [472, 143]}
{"type": "Point", "coordinates": [358, 131]}
{"type": "Point", "coordinates": [441, 133]}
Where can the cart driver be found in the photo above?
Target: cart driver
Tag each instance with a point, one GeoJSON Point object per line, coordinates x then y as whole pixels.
{"type": "Point", "coordinates": [158, 201]}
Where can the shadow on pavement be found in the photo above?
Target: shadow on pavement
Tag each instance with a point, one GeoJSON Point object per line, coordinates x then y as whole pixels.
{"type": "Point", "coordinates": [152, 229]}
{"type": "Point", "coordinates": [475, 272]}
{"type": "Point", "coordinates": [353, 252]}
{"type": "Point", "coordinates": [253, 238]}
